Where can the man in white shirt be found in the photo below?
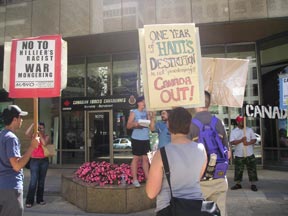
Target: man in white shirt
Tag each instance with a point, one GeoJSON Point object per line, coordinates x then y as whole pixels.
{"type": "Point", "coordinates": [244, 154]}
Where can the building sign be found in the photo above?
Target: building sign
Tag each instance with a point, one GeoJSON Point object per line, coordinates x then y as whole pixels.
{"type": "Point", "coordinates": [270, 112]}
{"type": "Point", "coordinates": [283, 83]}
{"type": "Point", "coordinates": [92, 103]}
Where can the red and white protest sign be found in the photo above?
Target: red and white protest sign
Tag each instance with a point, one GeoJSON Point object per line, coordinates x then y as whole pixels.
{"type": "Point", "coordinates": [35, 67]}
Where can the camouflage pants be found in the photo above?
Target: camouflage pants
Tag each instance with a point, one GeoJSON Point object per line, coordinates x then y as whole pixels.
{"type": "Point", "coordinates": [250, 163]}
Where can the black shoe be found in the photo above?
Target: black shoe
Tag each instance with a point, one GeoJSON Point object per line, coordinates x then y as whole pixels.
{"type": "Point", "coordinates": [254, 188]}
{"type": "Point", "coordinates": [236, 187]}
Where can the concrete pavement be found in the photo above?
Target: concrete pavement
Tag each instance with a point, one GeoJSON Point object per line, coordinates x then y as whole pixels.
{"type": "Point", "coordinates": [270, 199]}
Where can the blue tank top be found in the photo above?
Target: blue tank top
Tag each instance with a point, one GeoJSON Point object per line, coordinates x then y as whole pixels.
{"type": "Point", "coordinates": [140, 134]}
{"type": "Point", "coordinates": [185, 163]}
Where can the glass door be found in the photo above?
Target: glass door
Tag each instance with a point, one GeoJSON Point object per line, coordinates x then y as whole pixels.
{"type": "Point", "coordinates": [100, 136]}
{"type": "Point", "coordinates": [273, 61]}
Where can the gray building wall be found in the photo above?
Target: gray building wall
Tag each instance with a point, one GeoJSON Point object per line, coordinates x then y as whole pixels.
{"type": "Point", "coordinates": [26, 18]}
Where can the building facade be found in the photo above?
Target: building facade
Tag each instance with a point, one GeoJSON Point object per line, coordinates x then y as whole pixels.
{"type": "Point", "coordinates": [104, 74]}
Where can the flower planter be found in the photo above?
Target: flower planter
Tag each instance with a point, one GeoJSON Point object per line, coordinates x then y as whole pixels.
{"type": "Point", "coordinates": [105, 199]}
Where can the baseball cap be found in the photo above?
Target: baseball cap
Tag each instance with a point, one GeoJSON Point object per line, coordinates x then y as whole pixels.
{"type": "Point", "coordinates": [239, 119]}
{"type": "Point", "coordinates": [139, 99]}
{"type": "Point", "coordinates": [16, 111]}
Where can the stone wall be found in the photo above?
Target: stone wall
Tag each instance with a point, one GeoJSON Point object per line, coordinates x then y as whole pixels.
{"type": "Point", "coordinates": [105, 199]}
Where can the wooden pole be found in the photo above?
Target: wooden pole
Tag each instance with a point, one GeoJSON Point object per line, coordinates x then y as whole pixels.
{"type": "Point", "coordinates": [35, 103]}
{"type": "Point", "coordinates": [244, 132]}
{"type": "Point", "coordinates": [210, 87]}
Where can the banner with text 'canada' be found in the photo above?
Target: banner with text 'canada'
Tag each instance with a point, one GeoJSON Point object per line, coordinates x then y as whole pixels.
{"type": "Point", "coordinates": [171, 66]}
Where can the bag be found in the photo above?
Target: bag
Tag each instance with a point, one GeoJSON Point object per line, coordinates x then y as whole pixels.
{"type": "Point", "coordinates": [209, 136]}
{"type": "Point", "coordinates": [185, 207]}
{"type": "Point", "coordinates": [210, 208]}
{"type": "Point", "coordinates": [49, 150]}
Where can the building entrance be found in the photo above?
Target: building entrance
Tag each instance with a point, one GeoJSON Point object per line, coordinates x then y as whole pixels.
{"type": "Point", "coordinates": [99, 137]}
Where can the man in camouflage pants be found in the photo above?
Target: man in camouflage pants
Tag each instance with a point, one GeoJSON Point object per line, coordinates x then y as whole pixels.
{"type": "Point", "coordinates": [244, 154]}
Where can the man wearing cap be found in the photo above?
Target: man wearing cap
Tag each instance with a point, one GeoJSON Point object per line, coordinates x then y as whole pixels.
{"type": "Point", "coordinates": [139, 138]}
{"type": "Point", "coordinates": [244, 155]}
{"type": "Point", "coordinates": [11, 162]}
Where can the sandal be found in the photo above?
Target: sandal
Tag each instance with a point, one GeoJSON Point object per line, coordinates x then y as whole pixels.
{"type": "Point", "coordinates": [28, 205]}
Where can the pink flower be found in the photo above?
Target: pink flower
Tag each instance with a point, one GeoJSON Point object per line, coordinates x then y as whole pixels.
{"type": "Point", "coordinates": [102, 173]}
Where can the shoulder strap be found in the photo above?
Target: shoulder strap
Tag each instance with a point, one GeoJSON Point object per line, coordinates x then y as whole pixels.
{"type": "Point", "coordinates": [198, 123]}
{"type": "Point", "coordinates": [166, 167]}
{"type": "Point", "coordinates": [213, 123]}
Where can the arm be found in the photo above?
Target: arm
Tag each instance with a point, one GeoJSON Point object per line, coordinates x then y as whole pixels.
{"type": "Point", "coordinates": [154, 181]}
{"type": "Point", "coordinates": [252, 138]}
{"type": "Point", "coordinates": [237, 142]}
{"type": "Point", "coordinates": [19, 162]}
{"type": "Point", "coordinates": [152, 123]}
{"type": "Point", "coordinates": [29, 131]}
{"type": "Point", "coordinates": [45, 139]}
{"type": "Point", "coordinates": [251, 142]}
{"type": "Point", "coordinates": [130, 122]}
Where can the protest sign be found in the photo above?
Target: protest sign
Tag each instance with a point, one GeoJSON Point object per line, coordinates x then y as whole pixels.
{"type": "Point", "coordinates": [225, 79]}
{"type": "Point", "coordinates": [35, 67]}
{"type": "Point", "coordinates": [171, 66]}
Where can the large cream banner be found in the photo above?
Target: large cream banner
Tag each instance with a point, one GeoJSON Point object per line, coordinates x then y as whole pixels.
{"type": "Point", "coordinates": [171, 66]}
{"type": "Point", "coordinates": [225, 79]}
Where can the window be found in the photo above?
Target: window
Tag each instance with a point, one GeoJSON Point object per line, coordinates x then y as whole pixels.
{"type": "Point", "coordinates": [75, 78]}
{"type": "Point", "coordinates": [125, 74]}
{"type": "Point", "coordinates": [255, 89]}
{"type": "Point", "coordinates": [98, 76]}
{"type": "Point", "coordinates": [254, 73]}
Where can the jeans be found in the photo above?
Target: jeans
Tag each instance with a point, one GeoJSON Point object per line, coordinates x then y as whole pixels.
{"type": "Point", "coordinates": [38, 171]}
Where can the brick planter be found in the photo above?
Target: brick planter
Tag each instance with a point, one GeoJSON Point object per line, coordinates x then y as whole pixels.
{"type": "Point", "coordinates": [105, 199]}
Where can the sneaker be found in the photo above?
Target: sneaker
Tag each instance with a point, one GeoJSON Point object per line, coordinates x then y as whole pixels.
{"type": "Point", "coordinates": [136, 183]}
{"type": "Point", "coordinates": [236, 187]}
{"type": "Point", "coordinates": [41, 203]}
{"type": "Point", "coordinates": [254, 188]}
